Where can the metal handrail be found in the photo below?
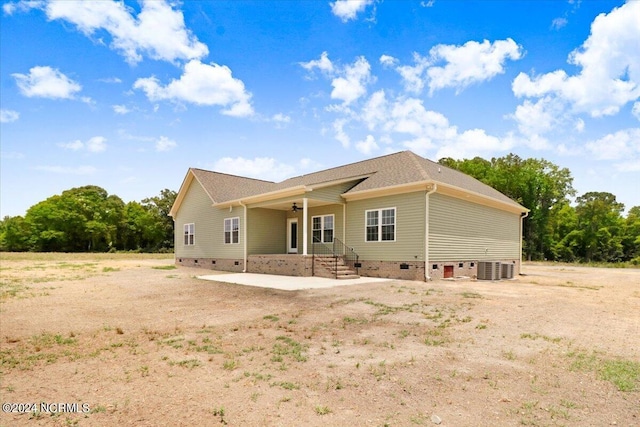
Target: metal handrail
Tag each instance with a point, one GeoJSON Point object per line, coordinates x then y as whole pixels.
{"type": "Point", "coordinates": [338, 249]}
{"type": "Point", "coordinates": [349, 255]}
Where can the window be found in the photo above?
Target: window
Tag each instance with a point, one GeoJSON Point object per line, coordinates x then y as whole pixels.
{"type": "Point", "coordinates": [380, 225]}
{"type": "Point", "coordinates": [322, 228]}
{"type": "Point", "coordinates": [232, 230]}
{"type": "Point", "coordinates": [189, 234]}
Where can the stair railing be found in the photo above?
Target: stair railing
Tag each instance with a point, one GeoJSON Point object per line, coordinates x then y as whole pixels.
{"type": "Point", "coordinates": [321, 249]}
{"type": "Point", "coordinates": [338, 249]}
{"type": "Point", "coordinates": [349, 255]}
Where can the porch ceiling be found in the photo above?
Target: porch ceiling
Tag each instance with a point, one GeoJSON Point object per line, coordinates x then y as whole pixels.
{"type": "Point", "coordinates": [287, 205]}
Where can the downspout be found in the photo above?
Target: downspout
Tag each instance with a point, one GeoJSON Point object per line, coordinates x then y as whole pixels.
{"type": "Point", "coordinates": [244, 238]}
{"type": "Point", "coordinates": [522, 217]}
{"type": "Point", "coordinates": [427, 277]}
{"type": "Point", "coordinates": [344, 222]}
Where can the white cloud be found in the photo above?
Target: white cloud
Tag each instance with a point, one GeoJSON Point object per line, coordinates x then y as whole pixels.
{"type": "Point", "coordinates": [636, 110]}
{"type": "Point", "coordinates": [66, 170]}
{"type": "Point", "coordinates": [11, 155]}
{"type": "Point", "coordinates": [21, 6]}
{"type": "Point", "coordinates": [324, 64]}
{"type": "Point", "coordinates": [202, 84]}
{"type": "Point", "coordinates": [470, 63]}
{"type": "Point", "coordinates": [352, 84]}
{"type": "Point", "coordinates": [367, 146]}
{"type": "Point", "coordinates": [537, 118]}
{"type": "Point", "coordinates": [609, 65]}
{"type": "Point", "coordinates": [121, 109]}
{"type": "Point", "coordinates": [413, 75]}
{"type": "Point", "coordinates": [165, 144]}
{"type": "Point", "coordinates": [464, 65]}
{"type": "Point", "coordinates": [347, 10]}
{"type": "Point", "coordinates": [579, 125]}
{"type": "Point", "coordinates": [388, 61]}
{"type": "Point", "coordinates": [8, 116]}
{"type": "Point", "coordinates": [96, 144]}
{"type": "Point", "coordinates": [340, 134]}
{"type": "Point", "coordinates": [158, 30]}
{"type": "Point", "coordinates": [621, 145]}
{"type": "Point", "coordinates": [46, 82]}
{"type": "Point", "coordinates": [266, 168]}
{"type": "Point", "coordinates": [429, 3]}
{"type": "Point", "coordinates": [471, 143]}
{"type": "Point", "coordinates": [558, 23]}
{"type": "Point", "coordinates": [349, 82]}
{"type": "Point", "coordinates": [281, 120]}
{"type": "Point", "coordinates": [112, 80]}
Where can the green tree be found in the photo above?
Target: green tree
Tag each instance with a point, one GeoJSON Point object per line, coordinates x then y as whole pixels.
{"type": "Point", "coordinates": [80, 219]}
{"type": "Point", "coordinates": [160, 206]}
{"type": "Point", "coordinates": [537, 184]}
{"type": "Point", "coordinates": [14, 234]}
{"type": "Point", "coordinates": [631, 236]}
{"type": "Point", "coordinates": [141, 230]}
{"type": "Point", "coordinates": [600, 225]}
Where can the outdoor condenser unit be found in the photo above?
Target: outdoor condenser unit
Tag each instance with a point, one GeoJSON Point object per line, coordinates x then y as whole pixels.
{"type": "Point", "coordinates": [488, 270]}
{"type": "Point", "coordinates": [507, 271]}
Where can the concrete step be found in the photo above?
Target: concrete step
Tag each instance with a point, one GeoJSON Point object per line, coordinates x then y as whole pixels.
{"type": "Point", "coordinates": [347, 276]}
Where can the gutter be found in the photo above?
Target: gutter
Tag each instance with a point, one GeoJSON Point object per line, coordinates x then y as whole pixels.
{"type": "Point", "coordinates": [522, 217]}
{"type": "Point", "coordinates": [426, 232]}
{"type": "Point", "coordinates": [244, 237]}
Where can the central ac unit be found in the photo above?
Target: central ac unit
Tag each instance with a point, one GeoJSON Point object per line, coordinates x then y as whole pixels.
{"type": "Point", "coordinates": [489, 270]}
{"type": "Point", "coordinates": [507, 271]}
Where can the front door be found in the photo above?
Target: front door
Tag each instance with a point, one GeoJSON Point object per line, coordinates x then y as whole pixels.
{"type": "Point", "coordinates": [292, 235]}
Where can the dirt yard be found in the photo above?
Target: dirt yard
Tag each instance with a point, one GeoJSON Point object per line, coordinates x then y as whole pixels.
{"type": "Point", "coordinates": [133, 341]}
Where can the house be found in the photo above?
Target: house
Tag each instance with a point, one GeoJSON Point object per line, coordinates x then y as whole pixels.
{"type": "Point", "coordinates": [396, 216]}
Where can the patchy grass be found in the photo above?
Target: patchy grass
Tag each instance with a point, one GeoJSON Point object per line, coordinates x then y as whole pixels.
{"type": "Point", "coordinates": [624, 374]}
{"type": "Point", "coordinates": [164, 267]}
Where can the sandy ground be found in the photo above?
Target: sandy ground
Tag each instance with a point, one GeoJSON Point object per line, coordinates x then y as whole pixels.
{"type": "Point", "coordinates": [132, 342]}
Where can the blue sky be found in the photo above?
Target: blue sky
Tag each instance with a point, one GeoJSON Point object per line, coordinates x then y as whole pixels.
{"type": "Point", "coordinates": [129, 95]}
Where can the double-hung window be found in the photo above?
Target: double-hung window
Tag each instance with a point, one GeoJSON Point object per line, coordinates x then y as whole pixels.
{"type": "Point", "coordinates": [322, 228]}
{"type": "Point", "coordinates": [380, 225]}
{"type": "Point", "coordinates": [189, 234]}
{"type": "Point", "coordinates": [232, 230]}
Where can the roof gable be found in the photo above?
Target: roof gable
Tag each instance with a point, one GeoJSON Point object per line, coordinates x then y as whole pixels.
{"type": "Point", "coordinates": [393, 171]}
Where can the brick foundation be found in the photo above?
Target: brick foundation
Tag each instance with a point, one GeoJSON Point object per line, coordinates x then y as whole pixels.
{"type": "Point", "coordinates": [234, 265]}
{"type": "Point", "coordinates": [284, 265]}
{"type": "Point", "coordinates": [393, 269]}
{"type": "Point", "coordinates": [298, 265]}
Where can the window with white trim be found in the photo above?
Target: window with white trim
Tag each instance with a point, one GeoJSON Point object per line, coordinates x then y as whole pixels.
{"type": "Point", "coordinates": [189, 234]}
{"type": "Point", "coordinates": [322, 228]}
{"type": "Point", "coordinates": [231, 230]}
{"type": "Point", "coordinates": [380, 225]}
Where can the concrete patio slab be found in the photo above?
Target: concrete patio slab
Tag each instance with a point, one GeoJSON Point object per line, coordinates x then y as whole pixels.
{"type": "Point", "coordinates": [287, 283]}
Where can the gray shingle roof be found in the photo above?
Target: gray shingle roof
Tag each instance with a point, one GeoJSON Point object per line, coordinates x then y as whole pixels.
{"type": "Point", "coordinates": [391, 170]}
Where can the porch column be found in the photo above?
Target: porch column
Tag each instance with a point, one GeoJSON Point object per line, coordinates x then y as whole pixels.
{"type": "Point", "coordinates": [304, 226]}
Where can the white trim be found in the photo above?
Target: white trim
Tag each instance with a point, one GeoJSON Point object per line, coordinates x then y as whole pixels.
{"type": "Point", "coordinates": [305, 225]}
{"type": "Point", "coordinates": [427, 276]}
{"type": "Point", "coordinates": [322, 229]}
{"type": "Point", "coordinates": [290, 221]}
{"type": "Point", "coordinates": [189, 230]}
{"type": "Point", "coordinates": [231, 242]}
{"type": "Point", "coordinates": [380, 225]}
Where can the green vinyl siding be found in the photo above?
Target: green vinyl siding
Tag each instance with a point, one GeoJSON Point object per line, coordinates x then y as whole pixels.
{"type": "Point", "coordinates": [409, 230]}
{"type": "Point", "coordinates": [267, 231]}
{"type": "Point", "coordinates": [460, 230]}
{"type": "Point", "coordinates": [333, 193]}
{"type": "Point", "coordinates": [209, 227]}
{"type": "Point", "coordinates": [338, 223]}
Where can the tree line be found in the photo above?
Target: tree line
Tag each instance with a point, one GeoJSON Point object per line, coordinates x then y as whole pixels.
{"type": "Point", "coordinates": [591, 228]}
{"type": "Point", "coordinates": [88, 219]}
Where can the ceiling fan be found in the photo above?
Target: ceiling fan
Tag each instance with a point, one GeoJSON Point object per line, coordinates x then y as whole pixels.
{"type": "Point", "coordinates": [295, 208]}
